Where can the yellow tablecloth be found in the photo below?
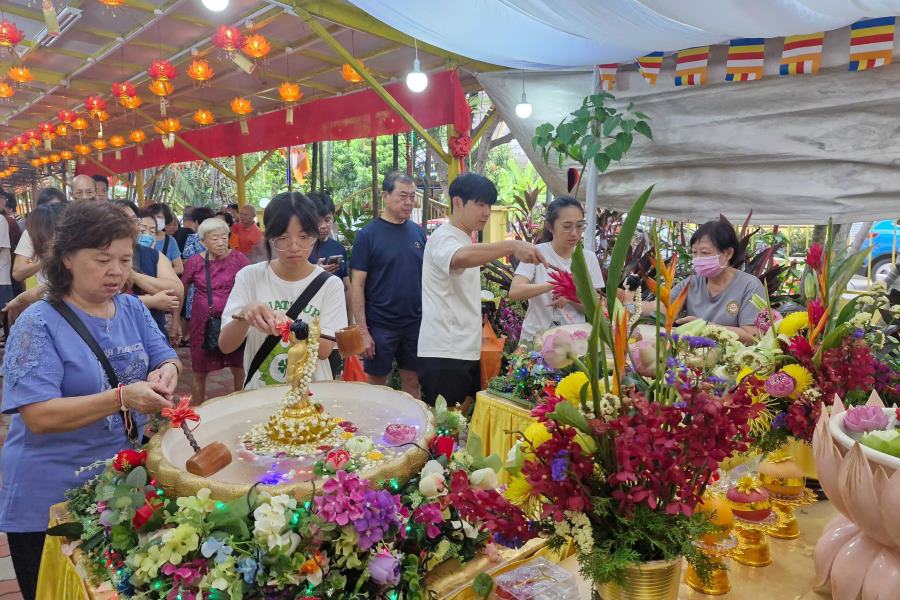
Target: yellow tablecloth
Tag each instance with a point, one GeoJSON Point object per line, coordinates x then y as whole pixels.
{"type": "Point", "coordinates": [496, 422]}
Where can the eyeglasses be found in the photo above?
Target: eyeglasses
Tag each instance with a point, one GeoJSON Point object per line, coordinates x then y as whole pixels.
{"type": "Point", "coordinates": [579, 226]}
{"type": "Point", "coordinates": [285, 242]}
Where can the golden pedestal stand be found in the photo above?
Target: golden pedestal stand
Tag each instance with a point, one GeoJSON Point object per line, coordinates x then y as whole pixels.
{"type": "Point", "coordinates": [718, 583]}
{"type": "Point", "coordinates": [787, 528]}
{"type": "Point", "coordinates": [753, 545]}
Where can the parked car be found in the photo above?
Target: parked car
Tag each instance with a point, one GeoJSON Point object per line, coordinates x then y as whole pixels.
{"type": "Point", "coordinates": [881, 240]}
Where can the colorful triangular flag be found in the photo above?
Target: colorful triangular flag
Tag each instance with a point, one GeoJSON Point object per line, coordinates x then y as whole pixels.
{"type": "Point", "coordinates": [746, 59]}
{"type": "Point", "coordinates": [691, 66]}
{"type": "Point", "coordinates": [802, 54]}
{"type": "Point", "coordinates": [650, 65]}
{"type": "Point", "coordinates": [608, 76]}
{"type": "Point", "coordinates": [872, 43]}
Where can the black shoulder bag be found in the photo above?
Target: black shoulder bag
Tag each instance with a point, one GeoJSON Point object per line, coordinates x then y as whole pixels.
{"type": "Point", "coordinates": [165, 248]}
{"type": "Point", "coordinates": [213, 323]}
{"type": "Point", "coordinates": [69, 315]}
{"type": "Point", "coordinates": [296, 308]}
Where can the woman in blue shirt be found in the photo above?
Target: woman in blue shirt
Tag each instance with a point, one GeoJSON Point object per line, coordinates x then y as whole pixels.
{"type": "Point", "coordinates": [65, 414]}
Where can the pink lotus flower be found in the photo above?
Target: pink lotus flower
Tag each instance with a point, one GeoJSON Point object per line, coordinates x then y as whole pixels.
{"type": "Point", "coordinates": [337, 459]}
{"type": "Point", "coordinates": [643, 355]}
{"type": "Point", "coordinates": [780, 385]}
{"type": "Point", "coordinates": [863, 419]}
{"type": "Point", "coordinates": [561, 348]}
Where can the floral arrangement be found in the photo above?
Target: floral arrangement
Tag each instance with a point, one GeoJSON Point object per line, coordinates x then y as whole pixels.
{"type": "Point", "coordinates": [875, 427]}
{"type": "Point", "coordinates": [526, 377]}
{"type": "Point", "coordinates": [619, 461]}
{"type": "Point", "coordinates": [806, 358]}
{"type": "Point", "coordinates": [355, 539]}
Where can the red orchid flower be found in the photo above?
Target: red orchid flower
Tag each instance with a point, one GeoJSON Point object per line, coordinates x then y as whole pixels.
{"type": "Point", "coordinates": [564, 285]}
{"type": "Point", "coordinates": [181, 414]}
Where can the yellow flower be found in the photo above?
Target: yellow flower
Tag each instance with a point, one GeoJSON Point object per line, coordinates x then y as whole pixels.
{"type": "Point", "coordinates": [570, 387]}
{"type": "Point", "coordinates": [793, 323]}
{"type": "Point", "coordinates": [743, 373]}
{"type": "Point", "coordinates": [801, 375]}
{"type": "Point", "coordinates": [347, 435]}
{"type": "Point", "coordinates": [518, 491]}
{"type": "Point", "coordinates": [535, 435]}
{"type": "Point", "coordinates": [375, 455]}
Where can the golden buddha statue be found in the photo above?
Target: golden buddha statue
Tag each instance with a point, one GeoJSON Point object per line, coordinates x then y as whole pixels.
{"type": "Point", "coordinates": [300, 422]}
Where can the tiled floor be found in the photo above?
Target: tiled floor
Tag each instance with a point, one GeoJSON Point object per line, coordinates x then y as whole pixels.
{"type": "Point", "coordinates": [218, 384]}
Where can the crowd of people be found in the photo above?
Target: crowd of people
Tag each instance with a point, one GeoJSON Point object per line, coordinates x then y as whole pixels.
{"type": "Point", "coordinates": [92, 351]}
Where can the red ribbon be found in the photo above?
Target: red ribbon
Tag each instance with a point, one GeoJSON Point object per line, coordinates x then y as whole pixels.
{"type": "Point", "coordinates": [181, 414]}
{"type": "Point", "coordinates": [285, 330]}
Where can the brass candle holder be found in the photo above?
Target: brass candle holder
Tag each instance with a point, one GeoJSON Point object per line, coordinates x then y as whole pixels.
{"type": "Point", "coordinates": [753, 546]}
{"type": "Point", "coordinates": [787, 527]}
{"type": "Point", "coordinates": [718, 583]}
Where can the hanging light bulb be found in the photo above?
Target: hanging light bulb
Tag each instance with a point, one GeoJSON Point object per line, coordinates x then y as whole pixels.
{"type": "Point", "coordinates": [215, 5]}
{"type": "Point", "coordinates": [416, 80]}
{"type": "Point", "coordinates": [524, 108]}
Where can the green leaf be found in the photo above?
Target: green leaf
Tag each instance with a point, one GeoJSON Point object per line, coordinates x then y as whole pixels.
{"type": "Point", "coordinates": [830, 341]}
{"type": "Point", "coordinates": [567, 414]}
{"type": "Point", "coordinates": [72, 530]}
{"type": "Point", "coordinates": [583, 285]}
{"type": "Point", "coordinates": [137, 478]}
{"type": "Point", "coordinates": [483, 585]}
{"type": "Point", "coordinates": [92, 542]}
{"type": "Point", "coordinates": [842, 276]}
{"type": "Point", "coordinates": [614, 150]}
{"type": "Point", "coordinates": [847, 312]}
{"type": "Point", "coordinates": [601, 161]}
{"type": "Point", "coordinates": [610, 125]}
{"type": "Point", "coordinates": [492, 462]}
{"type": "Point", "coordinates": [620, 249]}
{"type": "Point", "coordinates": [641, 115]}
{"type": "Point", "coordinates": [643, 128]}
{"type": "Point", "coordinates": [565, 132]}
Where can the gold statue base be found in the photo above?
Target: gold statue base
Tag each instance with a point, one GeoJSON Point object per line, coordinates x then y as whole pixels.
{"type": "Point", "coordinates": [753, 547]}
{"type": "Point", "coordinates": [718, 583]}
{"type": "Point", "coordinates": [787, 527]}
{"type": "Point", "coordinates": [298, 424]}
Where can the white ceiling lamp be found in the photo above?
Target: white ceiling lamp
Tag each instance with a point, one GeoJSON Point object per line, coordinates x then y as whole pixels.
{"type": "Point", "coordinates": [416, 80]}
{"type": "Point", "coordinates": [215, 5]}
{"type": "Point", "coordinates": [524, 108]}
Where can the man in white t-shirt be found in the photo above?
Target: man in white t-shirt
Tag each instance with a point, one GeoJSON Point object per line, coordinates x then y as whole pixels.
{"type": "Point", "coordinates": [450, 334]}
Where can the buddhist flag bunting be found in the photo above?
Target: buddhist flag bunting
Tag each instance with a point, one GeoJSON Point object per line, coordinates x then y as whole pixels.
{"type": "Point", "coordinates": [691, 66]}
{"type": "Point", "coordinates": [746, 58]}
{"type": "Point", "coordinates": [608, 76]}
{"type": "Point", "coordinates": [871, 43]}
{"type": "Point", "coordinates": [650, 65]}
{"type": "Point", "coordinates": [802, 54]}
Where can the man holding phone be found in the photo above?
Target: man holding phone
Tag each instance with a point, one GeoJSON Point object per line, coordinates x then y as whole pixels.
{"type": "Point", "coordinates": [386, 287]}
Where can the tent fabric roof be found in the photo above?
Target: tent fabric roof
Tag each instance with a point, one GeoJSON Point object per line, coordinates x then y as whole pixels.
{"type": "Point", "coordinates": [541, 35]}
{"type": "Point", "coordinates": [795, 150]}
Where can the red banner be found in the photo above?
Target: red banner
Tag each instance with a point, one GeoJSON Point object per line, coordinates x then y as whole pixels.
{"type": "Point", "coordinates": [359, 115]}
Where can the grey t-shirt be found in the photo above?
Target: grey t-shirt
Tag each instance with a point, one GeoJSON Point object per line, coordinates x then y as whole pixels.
{"type": "Point", "coordinates": [730, 307]}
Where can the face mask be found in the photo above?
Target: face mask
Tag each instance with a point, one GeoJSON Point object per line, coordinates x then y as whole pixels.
{"type": "Point", "coordinates": [707, 266]}
{"type": "Point", "coordinates": [160, 224]}
{"type": "Point", "coordinates": [145, 239]}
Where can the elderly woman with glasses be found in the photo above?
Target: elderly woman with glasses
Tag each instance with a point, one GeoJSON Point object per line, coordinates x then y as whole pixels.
{"type": "Point", "coordinates": [212, 273]}
{"type": "Point", "coordinates": [264, 292]}
{"type": "Point", "coordinates": [564, 226]}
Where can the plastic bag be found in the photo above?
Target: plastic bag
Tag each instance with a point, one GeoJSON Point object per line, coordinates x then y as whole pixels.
{"type": "Point", "coordinates": [353, 369]}
{"type": "Point", "coordinates": [491, 353]}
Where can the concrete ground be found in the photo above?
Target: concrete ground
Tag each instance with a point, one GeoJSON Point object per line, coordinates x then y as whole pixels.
{"type": "Point", "coordinates": [218, 384]}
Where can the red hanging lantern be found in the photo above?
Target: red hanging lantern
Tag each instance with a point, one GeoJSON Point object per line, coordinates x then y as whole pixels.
{"type": "Point", "coordinates": [20, 75]}
{"type": "Point", "coordinates": [66, 116]}
{"type": "Point", "coordinates": [131, 102]}
{"type": "Point", "coordinates": [66, 155]}
{"type": "Point", "coordinates": [167, 128]}
{"type": "Point", "coordinates": [117, 142]}
{"type": "Point", "coordinates": [10, 35]}
{"type": "Point", "coordinates": [94, 105]}
{"type": "Point", "coordinates": [228, 38]}
{"type": "Point", "coordinates": [349, 73]}
{"type": "Point", "coordinates": [55, 158]}
{"type": "Point", "coordinates": [161, 88]}
{"type": "Point", "coordinates": [161, 70]}
{"type": "Point", "coordinates": [6, 91]}
{"type": "Point", "coordinates": [31, 134]}
{"type": "Point", "coordinates": [46, 130]}
{"type": "Point", "coordinates": [123, 89]}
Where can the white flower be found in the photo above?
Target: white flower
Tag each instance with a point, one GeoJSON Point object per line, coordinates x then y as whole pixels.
{"type": "Point", "coordinates": [484, 479]}
{"type": "Point", "coordinates": [895, 311]}
{"type": "Point", "coordinates": [879, 287]}
{"type": "Point", "coordinates": [865, 300]}
{"type": "Point", "coordinates": [432, 483]}
{"type": "Point", "coordinates": [861, 319]}
{"type": "Point", "coordinates": [359, 445]}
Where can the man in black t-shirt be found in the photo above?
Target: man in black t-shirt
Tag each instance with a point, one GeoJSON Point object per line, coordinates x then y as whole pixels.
{"type": "Point", "coordinates": [386, 285]}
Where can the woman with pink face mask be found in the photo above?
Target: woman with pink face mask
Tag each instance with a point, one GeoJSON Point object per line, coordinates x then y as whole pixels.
{"type": "Point", "coordinates": [717, 292]}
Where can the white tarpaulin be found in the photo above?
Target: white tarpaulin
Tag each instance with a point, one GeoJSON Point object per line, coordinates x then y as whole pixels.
{"type": "Point", "coordinates": [795, 149]}
{"type": "Point", "coordinates": [554, 34]}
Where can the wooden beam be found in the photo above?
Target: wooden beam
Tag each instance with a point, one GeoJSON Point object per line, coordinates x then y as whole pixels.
{"type": "Point", "coordinates": [481, 128]}
{"type": "Point", "coordinates": [260, 163]}
{"type": "Point", "coordinates": [240, 180]}
{"type": "Point", "coordinates": [139, 186]}
{"type": "Point", "coordinates": [376, 86]}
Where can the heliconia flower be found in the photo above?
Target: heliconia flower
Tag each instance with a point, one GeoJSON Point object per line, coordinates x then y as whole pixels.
{"type": "Point", "coordinates": [814, 257]}
{"type": "Point", "coordinates": [780, 385]}
{"type": "Point", "coordinates": [564, 285]}
{"type": "Point", "coordinates": [863, 419]}
{"type": "Point", "coordinates": [815, 310]}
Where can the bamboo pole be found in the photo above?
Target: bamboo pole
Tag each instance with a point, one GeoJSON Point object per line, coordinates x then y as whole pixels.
{"type": "Point", "coordinates": [240, 179]}
{"type": "Point", "coordinates": [454, 166]}
{"type": "Point", "coordinates": [376, 205]}
{"type": "Point", "coordinates": [261, 162]}
{"type": "Point", "coordinates": [139, 186]}
{"type": "Point", "coordinates": [375, 85]}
